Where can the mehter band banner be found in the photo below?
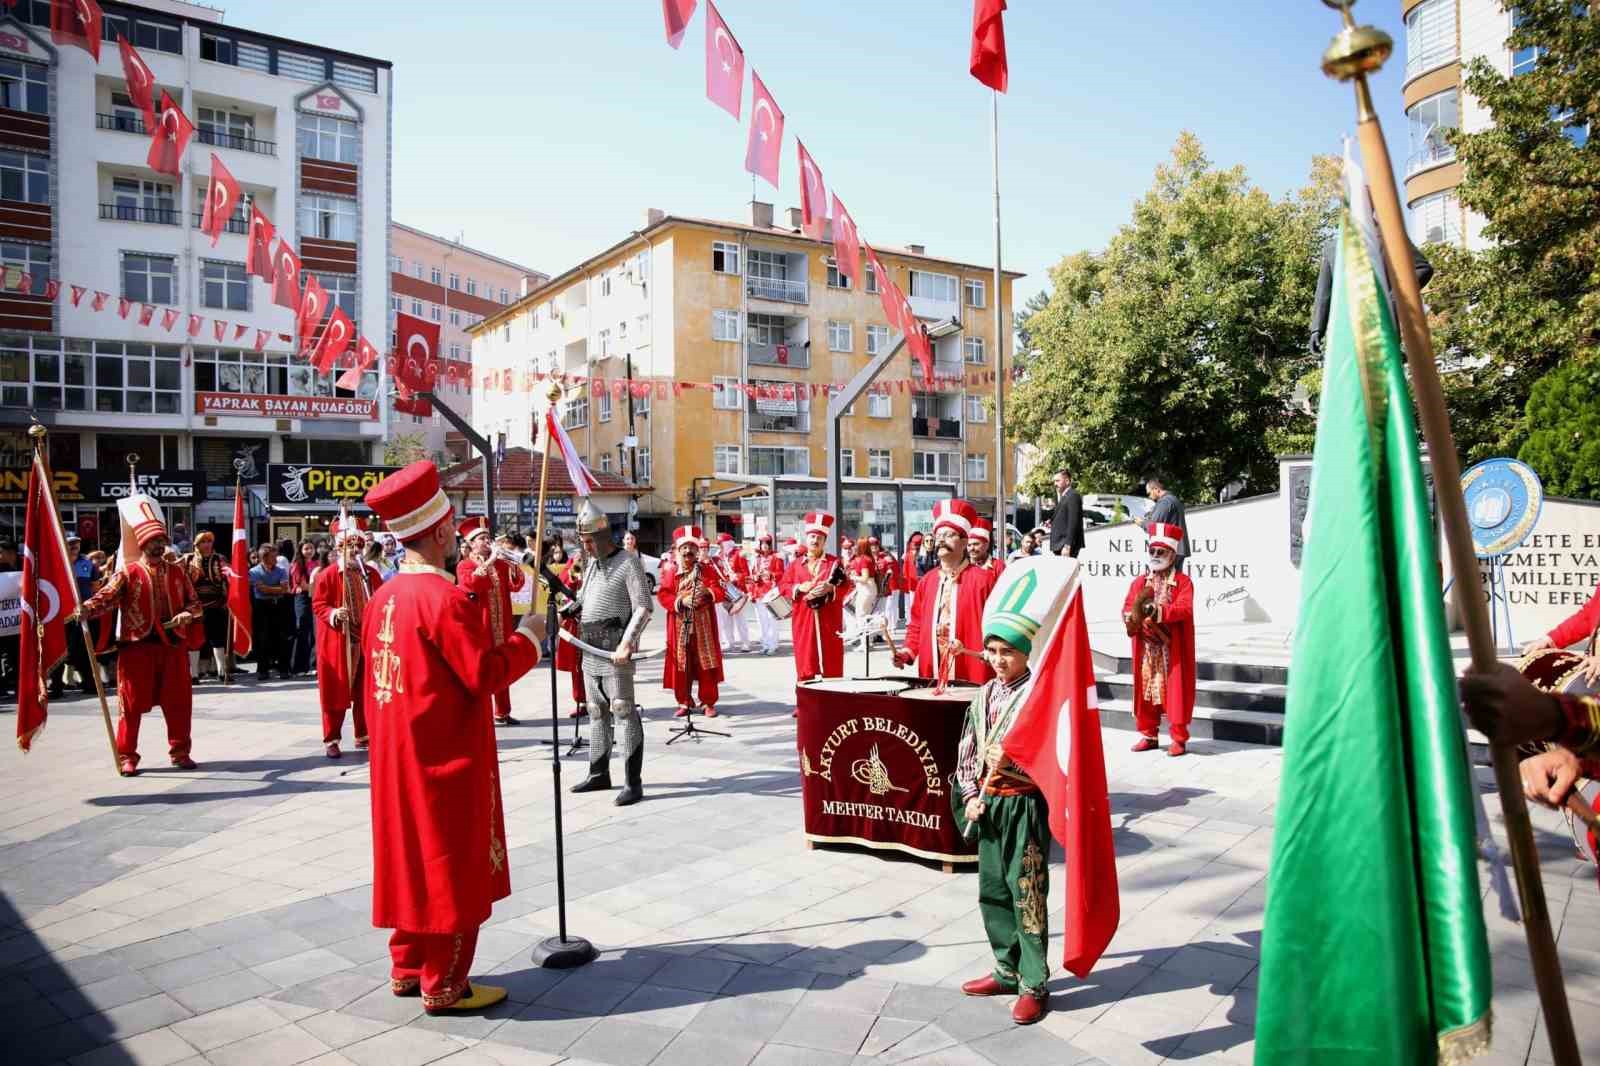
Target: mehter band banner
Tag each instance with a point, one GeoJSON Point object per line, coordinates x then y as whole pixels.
{"type": "Point", "coordinates": [876, 771]}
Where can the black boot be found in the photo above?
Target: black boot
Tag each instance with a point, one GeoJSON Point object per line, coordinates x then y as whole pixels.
{"type": "Point", "coordinates": [633, 791]}
{"type": "Point", "coordinates": [599, 776]}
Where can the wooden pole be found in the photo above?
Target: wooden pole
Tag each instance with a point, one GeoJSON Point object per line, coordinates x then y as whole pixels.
{"type": "Point", "coordinates": [1355, 53]}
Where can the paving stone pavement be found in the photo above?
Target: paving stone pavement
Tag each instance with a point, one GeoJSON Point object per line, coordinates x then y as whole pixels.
{"type": "Point", "coordinates": [221, 915]}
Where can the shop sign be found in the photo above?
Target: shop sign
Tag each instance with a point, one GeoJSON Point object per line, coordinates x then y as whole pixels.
{"type": "Point", "coordinates": [164, 486]}
{"type": "Point", "coordinates": [71, 486]}
{"type": "Point", "coordinates": [11, 603]}
{"type": "Point", "coordinates": [322, 483]}
{"type": "Point", "coordinates": [259, 406]}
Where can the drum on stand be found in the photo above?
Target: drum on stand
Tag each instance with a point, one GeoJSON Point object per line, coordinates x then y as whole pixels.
{"type": "Point", "coordinates": [1560, 673]}
{"type": "Point", "coordinates": [879, 686]}
{"type": "Point", "coordinates": [956, 690]}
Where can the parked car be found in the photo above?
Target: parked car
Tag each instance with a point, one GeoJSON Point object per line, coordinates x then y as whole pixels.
{"type": "Point", "coordinates": [652, 569]}
{"type": "Point", "coordinates": [1101, 509]}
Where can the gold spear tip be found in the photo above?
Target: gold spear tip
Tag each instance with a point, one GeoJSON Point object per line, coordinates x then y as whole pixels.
{"type": "Point", "coordinates": [1357, 50]}
{"type": "Point", "coordinates": [36, 431]}
{"type": "Point", "coordinates": [552, 390]}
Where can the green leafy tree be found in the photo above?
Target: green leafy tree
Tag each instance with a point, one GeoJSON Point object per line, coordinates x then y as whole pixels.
{"type": "Point", "coordinates": [1564, 430]}
{"type": "Point", "coordinates": [1176, 348]}
{"type": "Point", "coordinates": [1506, 316]}
{"type": "Point", "coordinates": [406, 448]}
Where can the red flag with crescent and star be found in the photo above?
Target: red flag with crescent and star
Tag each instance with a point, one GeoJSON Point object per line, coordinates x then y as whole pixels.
{"type": "Point", "coordinates": [286, 277]}
{"type": "Point", "coordinates": [195, 322]}
{"type": "Point", "coordinates": [677, 14]}
{"type": "Point", "coordinates": [335, 339]}
{"type": "Point", "coordinates": [76, 22]}
{"type": "Point", "coordinates": [892, 307]}
{"type": "Point", "coordinates": [765, 146]}
{"type": "Point", "coordinates": [416, 356]}
{"type": "Point", "coordinates": [169, 138]}
{"type": "Point", "coordinates": [140, 80]}
{"type": "Point", "coordinates": [49, 594]}
{"type": "Point", "coordinates": [813, 196]}
{"type": "Point", "coordinates": [988, 63]}
{"type": "Point", "coordinates": [846, 241]}
{"type": "Point", "coordinates": [239, 576]}
{"type": "Point", "coordinates": [258, 246]}
{"type": "Point", "coordinates": [169, 317]}
{"type": "Point", "coordinates": [366, 356]}
{"type": "Point", "coordinates": [222, 195]}
{"type": "Point", "coordinates": [724, 64]}
{"type": "Point", "coordinates": [313, 305]}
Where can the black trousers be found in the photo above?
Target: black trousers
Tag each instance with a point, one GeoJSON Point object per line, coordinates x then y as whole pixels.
{"type": "Point", "coordinates": [270, 633]}
{"type": "Point", "coordinates": [303, 653]}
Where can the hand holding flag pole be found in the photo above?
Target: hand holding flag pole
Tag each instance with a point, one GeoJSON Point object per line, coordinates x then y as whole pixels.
{"type": "Point", "coordinates": [1354, 53]}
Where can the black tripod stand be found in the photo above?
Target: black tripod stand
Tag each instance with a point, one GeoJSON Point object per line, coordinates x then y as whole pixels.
{"type": "Point", "coordinates": [687, 729]}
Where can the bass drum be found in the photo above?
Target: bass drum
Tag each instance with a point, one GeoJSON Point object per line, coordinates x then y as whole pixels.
{"type": "Point", "coordinates": [882, 686]}
{"type": "Point", "coordinates": [1560, 672]}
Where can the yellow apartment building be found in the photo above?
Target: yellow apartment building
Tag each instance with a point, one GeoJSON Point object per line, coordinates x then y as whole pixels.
{"type": "Point", "coordinates": [724, 305]}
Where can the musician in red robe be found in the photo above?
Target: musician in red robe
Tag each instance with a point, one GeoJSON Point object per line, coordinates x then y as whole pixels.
{"type": "Point", "coordinates": [945, 634]}
{"type": "Point", "coordinates": [765, 574]}
{"type": "Point", "coordinates": [490, 580]}
{"type": "Point", "coordinates": [339, 599]}
{"type": "Point", "coordinates": [980, 549]}
{"type": "Point", "coordinates": [812, 582]}
{"type": "Point", "coordinates": [438, 831]}
{"type": "Point", "coordinates": [155, 633]}
{"type": "Point", "coordinates": [1159, 615]}
{"type": "Point", "coordinates": [568, 659]}
{"type": "Point", "coordinates": [1583, 627]}
{"type": "Point", "coordinates": [689, 592]}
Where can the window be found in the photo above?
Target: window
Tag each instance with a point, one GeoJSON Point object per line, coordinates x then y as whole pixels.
{"type": "Point", "coordinates": [435, 275]}
{"type": "Point", "coordinates": [302, 67]}
{"type": "Point", "coordinates": [879, 405]}
{"type": "Point", "coordinates": [605, 284]}
{"type": "Point", "coordinates": [934, 466]}
{"type": "Point", "coordinates": [1429, 122]}
{"type": "Point", "coordinates": [25, 178]}
{"type": "Point", "coordinates": [641, 403]}
{"type": "Point", "coordinates": [455, 318]}
{"type": "Point", "coordinates": [972, 349]}
{"type": "Point", "coordinates": [142, 33]}
{"type": "Point", "coordinates": [974, 289]}
{"type": "Point", "coordinates": [646, 468]}
{"type": "Point", "coordinates": [254, 56]}
{"type": "Point", "coordinates": [224, 286]}
{"type": "Point", "coordinates": [228, 129]}
{"type": "Point", "coordinates": [416, 307]}
{"type": "Point", "coordinates": [416, 270]}
{"type": "Point", "coordinates": [779, 462]}
{"type": "Point", "coordinates": [1523, 60]}
{"type": "Point", "coordinates": [1430, 36]}
{"type": "Point", "coordinates": [135, 200]}
{"type": "Point", "coordinates": [455, 351]}
{"type": "Point", "coordinates": [327, 217]}
{"type": "Point", "coordinates": [725, 459]}
{"type": "Point", "coordinates": [836, 280]}
{"type": "Point", "coordinates": [840, 337]}
{"type": "Point", "coordinates": [149, 279]}
{"type": "Point", "coordinates": [976, 412]}
{"type": "Point", "coordinates": [472, 287]}
{"type": "Point", "coordinates": [434, 312]}
{"type": "Point", "coordinates": [396, 265]}
{"type": "Point", "coordinates": [605, 462]}
{"type": "Point", "coordinates": [125, 115]}
{"type": "Point", "coordinates": [977, 467]}
{"type": "Point", "coordinates": [455, 282]}
{"type": "Point", "coordinates": [505, 297]}
{"type": "Point", "coordinates": [354, 76]}
{"type": "Point", "coordinates": [80, 375]}
{"type": "Point", "coordinates": [32, 259]}
{"type": "Point", "coordinates": [1436, 219]}
{"type": "Point", "coordinates": [23, 87]}
{"type": "Point", "coordinates": [575, 411]}
{"type": "Point", "coordinates": [603, 343]}
{"type": "Point", "coordinates": [872, 279]}
{"type": "Point", "coordinates": [725, 393]}
{"type": "Point", "coordinates": [604, 404]}
{"type": "Point", "coordinates": [877, 339]}
{"type": "Point", "coordinates": [341, 289]}
{"type": "Point", "coordinates": [238, 222]}
{"type": "Point", "coordinates": [933, 286]}
{"type": "Point", "coordinates": [218, 49]}
{"type": "Point", "coordinates": [329, 139]}
{"type": "Point", "coordinates": [396, 302]}
{"type": "Point", "coordinates": [847, 462]}
{"type": "Point", "coordinates": [880, 462]}
{"type": "Point", "coordinates": [724, 325]}
{"type": "Point", "coordinates": [724, 257]}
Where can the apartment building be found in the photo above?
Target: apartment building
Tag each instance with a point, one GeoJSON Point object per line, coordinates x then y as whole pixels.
{"type": "Point", "coordinates": [729, 304]}
{"type": "Point", "coordinates": [447, 282]}
{"type": "Point", "coordinates": [306, 131]}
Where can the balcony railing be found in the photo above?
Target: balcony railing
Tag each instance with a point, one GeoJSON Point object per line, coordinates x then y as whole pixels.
{"type": "Point", "coordinates": [120, 123]}
{"type": "Point", "coordinates": [228, 139]}
{"type": "Point", "coordinates": [780, 289]}
{"type": "Point", "coordinates": [1429, 58]}
{"type": "Point", "coordinates": [233, 225]}
{"type": "Point", "coordinates": [800, 423]}
{"type": "Point", "coordinates": [795, 355]}
{"type": "Point", "coordinates": [1432, 154]}
{"type": "Point", "coordinates": [160, 216]}
{"type": "Point", "coordinates": [936, 428]}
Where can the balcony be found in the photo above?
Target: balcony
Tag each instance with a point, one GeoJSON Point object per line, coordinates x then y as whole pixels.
{"type": "Point", "coordinates": [1432, 154]}
{"type": "Point", "coordinates": [227, 139]}
{"type": "Point", "coordinates": [781, 290]}
{"type": "Point", "coordinates": [795, 356]}
{"type": "Point", "coordinates": [159, 216]}
{"type": "Point", "coordinates": [233, 225]}
{"type": "Point", "coordinates": [936, 428]}
{"type": "Point", "coordinates": [121, 123]}
{"type": "Point", "coordinates": [764, 423]}
{"type": "Point", "coordinates": [1426, 59]}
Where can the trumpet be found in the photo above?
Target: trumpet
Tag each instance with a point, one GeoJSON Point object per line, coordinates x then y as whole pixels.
{"type": "Point", "coordinates": [508, 555]}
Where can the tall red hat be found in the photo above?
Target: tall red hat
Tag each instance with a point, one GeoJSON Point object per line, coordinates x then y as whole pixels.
{"type": "Point", "coordinates": [959, 515]}
{"type": "Point", "coordinates": [472, 527]}
{"type": "Point", "coordinates": [1165, 534]}
{"type": "Point", "coordinates": [686, 535]}
{"type": "Point", "coordinates": [818, 522]}
{"type": "Point", "coordinates": [982, 529]}
{"type": "Point", "coordinates": [410, 501]}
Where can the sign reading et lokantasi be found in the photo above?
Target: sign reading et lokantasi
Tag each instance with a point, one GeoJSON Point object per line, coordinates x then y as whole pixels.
{"type": "Point", "coordinates": [236, 403]}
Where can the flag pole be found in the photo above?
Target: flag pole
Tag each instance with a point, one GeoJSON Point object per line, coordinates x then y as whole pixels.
{"type": "Point", "coordinates": [227, 656]}
{"type": "Point", "coordinates": [999, 341]}
{"type": "Point", "coordinates": [1356, 52]}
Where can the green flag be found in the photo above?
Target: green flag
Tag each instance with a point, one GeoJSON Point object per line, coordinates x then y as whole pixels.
{"type": "Point", "coordinates": [1374, 949]}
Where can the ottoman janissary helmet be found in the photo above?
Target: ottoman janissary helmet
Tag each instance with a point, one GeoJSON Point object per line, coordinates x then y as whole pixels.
{"type": "Point", "coordinates": [591, 519]}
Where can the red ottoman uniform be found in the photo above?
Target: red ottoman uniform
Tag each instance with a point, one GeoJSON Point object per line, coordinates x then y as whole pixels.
{"type": "Point", "coordinates": [568, 657]}
{"type": "Point", "coordinates": [694, 654]}
{"type": "Point", "coordinates": [764, 577]}
{"type": "Point", "coordinates": [1163, 651]}
{"type": "Point", "coordinates": [334, 677]}
{"type": "Point", "coordinates": [953, 601]}
{"type": "Point", "coordinates": [811, 625]}
{"type": "Point", "coordinates": [492, 590]}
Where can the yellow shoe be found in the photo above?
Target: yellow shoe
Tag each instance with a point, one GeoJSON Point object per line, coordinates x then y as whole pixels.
{"type": "Point", "coordinates": [476, 997]}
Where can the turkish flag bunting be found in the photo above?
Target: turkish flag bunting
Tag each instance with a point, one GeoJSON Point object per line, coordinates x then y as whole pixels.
{"type": "Point", "coordinates": [287, 338]}
{"type": "Point", "coordinates": [677, 14]}
{"type": "Point", "coordinates": [286, 277]}
{"type": "Point", "coordinates": [846, 241]}
{"type": "Point", "coordinates": [813, 197]}
{"type": "Point", "coordinates": [49, 594]}
{"type": "Point", "coordinates": [366, 356]}
{"type": "Point", "coordinates": [52, 289]}
{"type": "Point", "coordinates": [218, 328]}
{"type": "Point", "coordinates": [258, 248]}
{"type": "Point", "coordinates": [239, 329]}
{"type": "Point", "coordinates": [195, 322]}
{"type": "Point", "coordinates": [169, 138]}
{"type": "Point", "coordinates": [407, 402]}
{"type": "Point", "coordinates": [238, 574]}
{"type": "Point", "coordinates": [222, 195]}
{"type": "Point", "coordinates": [99, 301]}
{"type": "Point", "coordinates": [146, 313]}
{"type": "Point", "coordinates": [25, 282]}
{"type": "Point", "coordinates": [335, 339]}
{"type": "Point", "coordinates": [124, 305]}
{"type": "Point", "coordinates": [313, 305]}
{"type": "Point", "coordinates": [921, 347]}
{"type": "Point", "coordinates": [766, 133]}
{"type": "Point", "coordinates": [988, 63]}
{"type": "Point", "coordinates": [77, 293]}
{"type": "Point", "coordinates": [169, 317]}
{"type": "Point", "coordinates": [724, 63]}
{"type": "Point", "coordinates": [76, 22]}
{"type": "Point", "coordinates": [140, 79]}
{"type": "Point", "coordinates": [1056, 739]}
{"type": "Point", "coordinates": [886, 290]}
{"type": "Point", "coordinates": [416, 365]}
{"type": "Point", "coordinates": [261, 339]}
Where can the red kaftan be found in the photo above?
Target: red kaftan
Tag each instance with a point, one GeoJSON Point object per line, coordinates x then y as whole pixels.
{"type": "Point", "coordinates": [1581, 626]}
{"type": "Point", "coordinates": [333, 680]}
{"type": "Point", "coordinates": [804, 622]}
{"type": "Point", "coordinates": [438, 832]}
{"type": "Point", "coordinates": [972, 587]}
{"type": "Point", "coordinates": [1177, 620]}
{"type": "Point", "coordinates": [702, 659]}
{"type": "Point", "coordinates": [492, 591]}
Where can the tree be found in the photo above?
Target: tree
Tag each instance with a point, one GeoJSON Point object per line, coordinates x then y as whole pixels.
{"type": "Point", "coordinates": [406, 448]}
{"type": "Point", "coordinates": [1564, 430]}
{"type": "Point", "coordinates": [1025, 339]}
{"type": "Point", "coordinates": [1175, 349]}
{"type": "Point", "coordinates": [1506, 316]}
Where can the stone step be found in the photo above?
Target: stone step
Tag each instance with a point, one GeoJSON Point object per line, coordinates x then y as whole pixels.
{"type": "Point", "coordinates": [1208, 692]}
{"type": "Point", "coordinates": [1209, 723]}
{"type": "Point", "coordinates": [1245, 673]}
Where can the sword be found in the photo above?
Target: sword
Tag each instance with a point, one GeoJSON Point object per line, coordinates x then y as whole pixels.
{"type": "Point", "coordinates": [583, 646]}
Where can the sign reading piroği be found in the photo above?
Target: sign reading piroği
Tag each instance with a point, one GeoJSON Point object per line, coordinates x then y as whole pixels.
{"type": "Point", "coordinates": [301, 484]}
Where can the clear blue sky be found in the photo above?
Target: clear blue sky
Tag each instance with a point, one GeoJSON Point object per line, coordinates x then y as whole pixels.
{"type": "Point", "coordinates": [544, 129]}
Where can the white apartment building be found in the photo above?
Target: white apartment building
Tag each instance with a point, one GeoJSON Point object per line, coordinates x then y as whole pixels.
{"type": "Point", "coordinates": [306, 131]}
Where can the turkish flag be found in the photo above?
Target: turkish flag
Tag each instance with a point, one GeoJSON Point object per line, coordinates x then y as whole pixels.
{"type": "Point", "coordinates": [124, 305]}
{"type": "Point", "coordinates": [168, 318]}
{"type": "Point", "coordinates": [313, 305]}
{"type": "Point", "coordinates": [1056, 739]}
{"type": "Point", "coordinates": [194, 325]}
{"type": "Point", "coordinates": [766, 133]}
{"type": "Point", "coordinates": [239, 576]}
{"type": "Point", "coordinates": [218, 328]}
{"type": "Point", "coordinates": [98, 302]}
{"type": "Point", "coordinates": [921, 347]}
{"type": "Point", "coordinates": [239, 329]}
{"type": "Point", "coordinates": [988, 63]}
{"type": "Point", "coordinates": [52, 289]}
{"type": "Point", "coordinates": [407, 402]}
{"type": "Point", "coordinates": [261, 339]}
{"type": "Point", "coordinates": [813, 197]}
{"type": "Point", "coordinates": [258, 247]}
{"type": "Point", "coordinates": [677, 14]}
{"type": "Point", "coordinates": [724, 63]}
{"type": "Point", "coordinates": [77, 293]}
{"type": "Point", "coordinates": [140, 80]}
{"type": "Point", "coordinates": [76, 22]}
{"type": "Point", "coordinates": [335, 339]}
{"type": "Point", "coordinates": [286, 277]}
{"type": "Point", "coordinates": [416, 365]}
{"type": "Point", "coordinates": [169, 138]}
{"type": "Point", "coordinates": [49, 594]}
{"type": "Point", "coordinates": [846, 241]}
{"type": "Point", "coordinates": [892, 308]}
{"type": "Point", "coordinates": [222, 195]}
{"type": "Point", "coordinates": [366, 356]}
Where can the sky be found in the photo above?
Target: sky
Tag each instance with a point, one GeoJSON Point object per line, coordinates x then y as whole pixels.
{"type": "Point", "coordinates": [542, 130]}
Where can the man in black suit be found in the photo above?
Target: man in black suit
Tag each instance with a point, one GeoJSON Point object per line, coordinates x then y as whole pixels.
{"type": "Point", "coordinates": [1066, 525]}
{"type": "Point", "coordinates": [1168, 508]}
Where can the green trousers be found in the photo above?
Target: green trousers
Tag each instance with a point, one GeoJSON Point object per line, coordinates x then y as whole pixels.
{"type": "Point", "coordinates": [1014, 888]}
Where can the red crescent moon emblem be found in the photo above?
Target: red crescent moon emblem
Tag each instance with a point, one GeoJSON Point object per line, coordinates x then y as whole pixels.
{"type": "Point", "coordinates": [222, 195]}
{"type": "Point", "coordinates": [170, 127]}
{"type": "Point", "coordinates": [81, 7]}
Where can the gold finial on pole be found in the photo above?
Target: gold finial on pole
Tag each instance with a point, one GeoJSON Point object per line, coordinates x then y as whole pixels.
{"type": "Point", "coordinates": [36, 431]}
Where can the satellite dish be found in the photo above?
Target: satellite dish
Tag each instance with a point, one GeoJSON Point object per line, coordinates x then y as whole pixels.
{"type": "Point", "coordinates": [1504, 499]}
